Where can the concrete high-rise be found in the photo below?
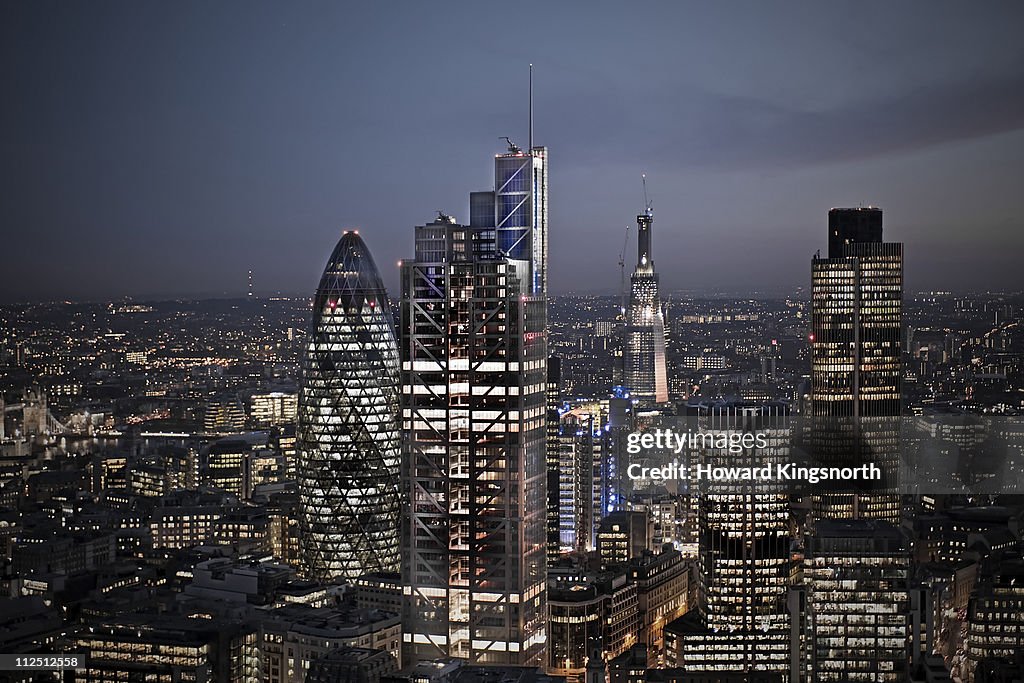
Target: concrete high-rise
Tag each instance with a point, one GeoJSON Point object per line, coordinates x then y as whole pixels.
{"type": "Point", "coordinates": [645, 373]}
{"type": "Point", "coordinates": [474, 373]}
{"type": "Point", "coordinates": [856, 373]}
{"type": "Point", "coordinates": [349, 446]}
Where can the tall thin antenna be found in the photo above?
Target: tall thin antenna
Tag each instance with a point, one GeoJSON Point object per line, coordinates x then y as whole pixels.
{"type": "Point", "coordinates": [530, 147]}
{"type": "Point", "coordinates": [647, 204]}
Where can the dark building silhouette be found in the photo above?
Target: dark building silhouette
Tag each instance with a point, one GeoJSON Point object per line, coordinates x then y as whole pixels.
{"type": "Point", "coordinates": [853, 226]}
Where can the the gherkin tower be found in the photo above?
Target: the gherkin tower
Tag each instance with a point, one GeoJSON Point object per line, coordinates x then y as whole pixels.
{"type": "Point", "coordinates": [348, 429]}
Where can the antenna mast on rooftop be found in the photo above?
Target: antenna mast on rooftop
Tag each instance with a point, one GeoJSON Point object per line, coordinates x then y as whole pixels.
{"type": "Point", "coordinates": [529, 147]}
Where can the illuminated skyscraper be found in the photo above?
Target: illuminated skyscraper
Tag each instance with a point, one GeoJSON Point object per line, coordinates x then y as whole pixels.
{"type": "Point", "coordinates": [615, 484]}
{"type": "Point", "coordinates": [644, 361]}
{"type": "Point", "coordinates": [742, 623]}
{"type": "Point", "coordinates": [855, 576]}
{"type": "Point", "coordinates": [474, 374]}
{"type": "Point", "coordinates": [575, 489]}
{"type": "Point", "coordinates": [553, 451]}
{"type": "Point", "coordinates": [513, 218]}
{"type": "Point", "coordinates": [349, 446]}
{"type": "Point", "coordinates": [856, 323]}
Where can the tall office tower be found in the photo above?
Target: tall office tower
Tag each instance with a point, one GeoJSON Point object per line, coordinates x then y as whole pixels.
{"type": "Point", "coordinates": [615, 484]}
{"type": "Point", "coordinates": [513, 218]}
{"type": "Point", "coordinates": [855, 578]}
{"type": "Point", "coordinates": [856, 323]}
{"type": "Point", "coordinates": [474, 375]}
{"type": "Point", "coordinates": [644, 353]}
{"type": "Point", "coordinates": [575, 488]}
{"type": "Point", "coordinates": [349, 446]}
{"type": "Point", "coordinates": [552, 449]}
{"type": "Point", "coordinates": [742, 621]}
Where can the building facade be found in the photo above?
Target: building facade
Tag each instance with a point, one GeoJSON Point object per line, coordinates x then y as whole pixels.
{"type": "Point", "coordinates": [856, 370]}
{"type": "Point", "coordinates": [742, 622]}
{"type": "Point", "coordinates": [995, 617]}
{"type": "Point", "coordinates": [474, 381]}
{"type": "Point", "coordinates": [857, 610]}
{"type": "Point", "coordinates": [165, 648]}
{"type": "Point", "coordinates": [646, 375]}
{"type": "Point", "coordinates": [348, 428]}
{"type": "Point", "coordinates": [592, 617]}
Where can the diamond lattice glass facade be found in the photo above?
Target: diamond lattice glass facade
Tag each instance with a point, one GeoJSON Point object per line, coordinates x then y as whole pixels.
{"type": "Point", "coordinates": [348, 430]}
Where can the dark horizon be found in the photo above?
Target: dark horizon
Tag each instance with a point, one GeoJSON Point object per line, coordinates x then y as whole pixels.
{"type": "Point", "coordinates": [764, 294]}
{"type": "Point", "coordinates": [158, 149]}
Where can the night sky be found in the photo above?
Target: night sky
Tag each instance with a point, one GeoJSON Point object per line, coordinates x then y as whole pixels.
{"type": "Point", "coordinates": [163, 149]}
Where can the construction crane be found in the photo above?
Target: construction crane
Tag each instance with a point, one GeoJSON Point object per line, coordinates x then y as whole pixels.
{"type": "Point", "coordinates": [647, 203]}
{"type": "Point", "coordinates": [622, 276]}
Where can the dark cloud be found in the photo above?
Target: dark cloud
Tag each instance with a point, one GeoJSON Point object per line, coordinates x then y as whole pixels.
{"type": "Point", "coordinates": [705, 130]}
{"type": "Point", "coordinates": [161, 149]}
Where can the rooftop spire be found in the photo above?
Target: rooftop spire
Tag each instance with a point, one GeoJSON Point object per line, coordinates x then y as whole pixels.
{"type": "Point", "coordinates": [530, 139]}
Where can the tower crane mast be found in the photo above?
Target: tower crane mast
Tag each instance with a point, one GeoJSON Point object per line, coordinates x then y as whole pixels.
{"type": "Point", "coordinates": [622, 276]}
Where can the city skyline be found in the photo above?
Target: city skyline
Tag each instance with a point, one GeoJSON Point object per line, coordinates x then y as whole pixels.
{"type": "Point", "coordinates": [457, 468]}
{"type": "Point", "coordinates": [195, 155]}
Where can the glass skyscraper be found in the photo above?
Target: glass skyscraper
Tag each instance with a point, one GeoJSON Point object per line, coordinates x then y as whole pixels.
{"type": "Point", "coordinates": [512, 219]}
{"type": "Point", "coordinates": [645, 371]}
{"type": "Point", "coordinates": [349, 447]}
{"type": "Point", "coordinates": [857, 566]}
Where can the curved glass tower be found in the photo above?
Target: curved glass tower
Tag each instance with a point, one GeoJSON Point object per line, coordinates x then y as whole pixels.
{"type": "Point", "coordinates": [348, 438]}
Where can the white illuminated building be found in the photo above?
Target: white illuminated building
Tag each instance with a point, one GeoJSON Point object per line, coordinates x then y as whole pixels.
{"type": "Point", "coordinates": [645, 371]}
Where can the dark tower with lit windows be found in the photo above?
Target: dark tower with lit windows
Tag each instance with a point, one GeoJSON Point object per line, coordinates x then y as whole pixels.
{"type": "Point", "coordinates": [856, 373]}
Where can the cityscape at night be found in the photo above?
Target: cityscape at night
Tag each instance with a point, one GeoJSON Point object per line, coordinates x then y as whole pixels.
{"type": "Point", "coordinates": [481, 408]}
